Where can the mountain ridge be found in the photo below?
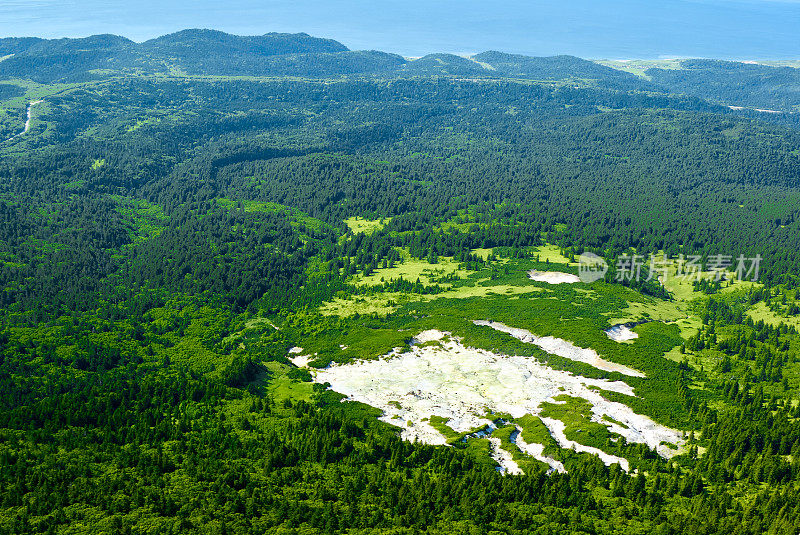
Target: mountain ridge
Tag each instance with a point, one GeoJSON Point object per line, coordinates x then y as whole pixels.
{"type": "Point", "coordinates": [208, 52]}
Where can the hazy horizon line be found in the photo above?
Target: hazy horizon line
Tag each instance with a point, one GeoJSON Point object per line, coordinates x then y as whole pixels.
{"type": "Point", "coordinates": [462, 53]}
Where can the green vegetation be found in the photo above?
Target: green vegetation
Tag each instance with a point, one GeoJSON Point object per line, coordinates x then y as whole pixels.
{"type": "Point", "coordinates": [186, 210]}
{"type": "Point", "coordinates": [359, 224]}
{"type": "Point", "coordinates": [748, 85]}
{"type": "Point", "coordinates": [639, 67]}
{"type": "Point", "coordinates": [576, 414]}
{"type": "Point", "coordinates": [440, 424]}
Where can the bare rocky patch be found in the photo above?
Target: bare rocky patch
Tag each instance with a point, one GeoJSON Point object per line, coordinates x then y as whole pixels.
{"type": "Point", "coordinates": [553, 277]}
{"type": "Point", "coordinates": [562, 348]}
{"type": "Point", "coordinates": [439, 376]}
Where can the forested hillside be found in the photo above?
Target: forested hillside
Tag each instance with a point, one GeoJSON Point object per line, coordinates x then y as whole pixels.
{"type": "Point", "coordinates": [194, 228]}
{"type": "Point", "coordinates": [736, 84]}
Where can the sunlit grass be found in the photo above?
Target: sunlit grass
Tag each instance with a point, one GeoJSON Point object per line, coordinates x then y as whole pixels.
{"type": "Point", "coordinates": [367, 226]}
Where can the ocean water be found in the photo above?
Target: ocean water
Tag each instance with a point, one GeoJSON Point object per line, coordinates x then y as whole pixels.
{"type": "Point", "coordinates": [611, 29]}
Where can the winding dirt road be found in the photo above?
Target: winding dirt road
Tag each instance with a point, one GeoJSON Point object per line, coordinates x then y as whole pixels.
{"type": "Point", "coordinates": [27, 122]}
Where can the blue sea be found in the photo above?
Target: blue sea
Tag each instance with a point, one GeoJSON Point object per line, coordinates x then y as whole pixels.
{"type": "Point", "coordinates": [611, 29]}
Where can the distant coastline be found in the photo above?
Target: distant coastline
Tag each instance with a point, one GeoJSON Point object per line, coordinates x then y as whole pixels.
{"type": "Point", "coordinates": [746, 31]}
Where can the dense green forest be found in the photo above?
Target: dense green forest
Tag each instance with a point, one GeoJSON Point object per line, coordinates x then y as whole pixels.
{"type": "Point", "coordinates": [185, 214]}
{"type": "Point", "coordinates": [741, 84]}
